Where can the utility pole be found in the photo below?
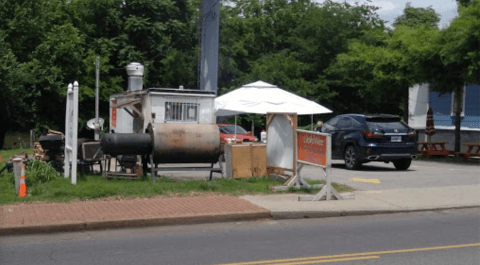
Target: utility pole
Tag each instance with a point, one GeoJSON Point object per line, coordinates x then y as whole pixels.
{"type": "Point", "coordinates": [97, 122]}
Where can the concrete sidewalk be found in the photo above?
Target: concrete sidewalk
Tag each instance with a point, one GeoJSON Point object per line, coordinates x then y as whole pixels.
{"type": "Point", "coordinates": [371, 202]}
{"type": "Point", "coordinates": [57, 217]}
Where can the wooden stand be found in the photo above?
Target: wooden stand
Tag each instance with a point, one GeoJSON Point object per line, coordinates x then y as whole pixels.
{"type": "Point", "coordinates": [470, 153]}
{"type": "Point", "coordinates": [245, 160]}
{"type": "Point", "coordinates": [429, 149]}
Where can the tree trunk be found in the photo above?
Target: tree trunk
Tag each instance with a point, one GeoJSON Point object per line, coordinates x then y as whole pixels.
{"type": "Point", "coordinates": [406, 98]}
{"type": "Point", "coordinates": [3, 121]}
{"type": "Point", "coordinates": [458, 118]}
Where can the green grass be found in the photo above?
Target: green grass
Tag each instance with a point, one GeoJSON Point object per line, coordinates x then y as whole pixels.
{"type": "Point", "coordinates": [95, 187]}
{"type": "Point", "coordinates": [16, 140]}
{"type": "Point", "coordinates": [450, 159]}
{"type": "Point", "coordinates": [7, 153]}
{"type": "Point", "coordinates": [43, 185]}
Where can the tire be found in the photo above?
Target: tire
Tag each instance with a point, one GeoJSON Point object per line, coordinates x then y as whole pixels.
{"type": "Point", "coordinates": [351, 158]}
{"type": "Point", "coordinates": [402, 164]}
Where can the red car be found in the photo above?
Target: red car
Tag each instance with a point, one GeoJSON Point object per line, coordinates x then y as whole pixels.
{"type": "Point", "coordinates": [227, 131]}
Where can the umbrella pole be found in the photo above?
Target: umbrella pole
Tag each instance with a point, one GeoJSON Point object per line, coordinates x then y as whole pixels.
{"type": "Point", "coordinates": [253, 128]}
{"type": "Point", "coordinates": [312, 123]}
{"type": "Point", "coordinates": [235, 128]}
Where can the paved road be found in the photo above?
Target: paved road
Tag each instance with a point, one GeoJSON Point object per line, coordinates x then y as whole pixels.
{"type": "Point", "coordinates": [448, 237]}
{"type": "Point", "coordinates": [421, 174]}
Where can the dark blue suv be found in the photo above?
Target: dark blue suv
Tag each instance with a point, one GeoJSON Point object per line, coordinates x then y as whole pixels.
{"type": "Point", "coordinates": [359, 138]}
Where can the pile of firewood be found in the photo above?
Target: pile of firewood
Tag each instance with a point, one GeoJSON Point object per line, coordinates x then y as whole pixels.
{"type": "Point", "coordinates": [24, 156]}
{"type": "Point", "coordinates": [40, 154]}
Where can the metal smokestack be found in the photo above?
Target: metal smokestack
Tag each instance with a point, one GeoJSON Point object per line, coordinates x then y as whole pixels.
{"type": "Point", "coordinates": [209, 32]}
{"type": "Point", "coordinates": [135, 73]}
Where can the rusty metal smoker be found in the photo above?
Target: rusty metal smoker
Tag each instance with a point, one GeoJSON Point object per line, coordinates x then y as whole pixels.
{"type": "Point", "coordinates": [168, 125]}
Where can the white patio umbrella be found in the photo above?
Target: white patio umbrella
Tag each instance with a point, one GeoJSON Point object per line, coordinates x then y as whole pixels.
{"type": "Point", "coordinates": [261, 97]}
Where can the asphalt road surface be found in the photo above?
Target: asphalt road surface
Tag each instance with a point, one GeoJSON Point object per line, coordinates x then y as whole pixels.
{"type": "Point", "coordinates": [381, 176]}
{"type": "Point", "coordinates": [436, 238]}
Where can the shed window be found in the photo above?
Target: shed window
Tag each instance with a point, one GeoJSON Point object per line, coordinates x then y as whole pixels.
{"type": "Point", "coordinates": [181, 111]}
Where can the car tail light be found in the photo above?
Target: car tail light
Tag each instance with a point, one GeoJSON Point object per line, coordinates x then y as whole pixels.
{"type": "Point", "coordinates": [372, 134]}
{"type": "Point", "coordinates": [412, 134]}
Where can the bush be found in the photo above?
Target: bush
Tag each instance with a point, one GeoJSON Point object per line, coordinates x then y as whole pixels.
{"type": "Point", "coordinates": [39, 172]}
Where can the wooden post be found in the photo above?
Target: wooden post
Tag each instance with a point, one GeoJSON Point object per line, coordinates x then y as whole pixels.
{"type": "Point", "coordinates": [32, 138]}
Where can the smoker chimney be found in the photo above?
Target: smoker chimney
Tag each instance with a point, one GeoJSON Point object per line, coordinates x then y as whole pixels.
{"type": "Point", "coordinates": [135, 76]}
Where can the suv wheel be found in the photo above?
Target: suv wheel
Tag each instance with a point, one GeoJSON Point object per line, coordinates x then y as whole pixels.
{"type": "Point", "coordinates": [351, 158]}
{"type": "Point", "coordinates": [402, 164]}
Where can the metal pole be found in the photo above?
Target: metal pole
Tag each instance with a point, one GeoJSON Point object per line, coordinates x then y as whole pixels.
{"type": "Point", "coordinates": [17, 163]}
{"type": "Point", "coordinates": [97, 122]}
{"type": "Point", "coordinates": [32, 138]}
{"type": "Point", "coordinates": [253, 128]}
{"type": "Point", "coordinates": [235, 128]}
{"type": "Point", "coordinates": [312, 123]}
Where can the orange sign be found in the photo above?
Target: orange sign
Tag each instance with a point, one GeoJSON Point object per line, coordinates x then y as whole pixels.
{"type": "Point", "coordinates": [312, 148]}
{"type": "Point", "coordinates": [114, 117]}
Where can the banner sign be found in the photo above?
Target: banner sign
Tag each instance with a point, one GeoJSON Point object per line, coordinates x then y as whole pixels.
{"type": "Point", "coordinates": [313, 148]}
{"type": "Point", "coordinates": [114, 117]}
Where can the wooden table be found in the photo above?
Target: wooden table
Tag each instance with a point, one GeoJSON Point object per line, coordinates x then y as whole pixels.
{"type": "Point", "coordinates": [245, 160]}
{"type": "Point", "coordinates": [470, 153]}
{"type": "Point", "coordinates": [429, 149]}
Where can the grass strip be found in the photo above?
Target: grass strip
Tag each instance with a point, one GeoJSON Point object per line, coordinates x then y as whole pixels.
{"type": "Point", "coordinates": [49, 188]}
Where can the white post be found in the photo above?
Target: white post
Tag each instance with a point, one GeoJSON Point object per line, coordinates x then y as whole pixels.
{"type": "Point", "coordinates": [75, 133]}
{"type": "Point", "coordinates": [68, 144]}
{"type": "Point", "coordinates": [71, 132]}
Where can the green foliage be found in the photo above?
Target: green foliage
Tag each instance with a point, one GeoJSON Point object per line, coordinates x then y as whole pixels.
{"type": "Point", "coordinates": [417, 16]}
{"type": "Point", "coordinates": [338, 54]}
{"type": "Point", "coordinates": [381, 71]}
{"type": "Point", "coordinates": [208, 186]}
{"type": "Point", "coordinates": [40, 172]}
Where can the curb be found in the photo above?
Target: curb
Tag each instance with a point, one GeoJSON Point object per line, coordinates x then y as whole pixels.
{"type": "Point", "coordinates": [202, 219]}
{"type": "Point", "coordinates": [283, 215]}
{"type": "Point", "coordinates": [141, 222]}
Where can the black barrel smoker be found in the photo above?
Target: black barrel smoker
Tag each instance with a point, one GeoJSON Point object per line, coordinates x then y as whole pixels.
{"type": "Point", "coordinates": [165, 143]}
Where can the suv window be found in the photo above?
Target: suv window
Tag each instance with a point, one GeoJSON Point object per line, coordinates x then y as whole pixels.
{"type": "Point", "coordinates": [344, 123]}
{"type": "Point", "coordinates": [330, 124]}
{"type": "Point", "coordinates": [385, 124]}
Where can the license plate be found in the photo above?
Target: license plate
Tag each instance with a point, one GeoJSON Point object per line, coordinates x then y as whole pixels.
{"type": "Point", "coordinates": [396, 138]}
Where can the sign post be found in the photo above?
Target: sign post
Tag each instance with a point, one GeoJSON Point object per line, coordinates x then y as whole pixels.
{"type": "Point", "coordinates": [71, 131]}
{"type": "Point", "coordinates": [281, 145]}
{"type": "Point", "coordinates": [314, 148]}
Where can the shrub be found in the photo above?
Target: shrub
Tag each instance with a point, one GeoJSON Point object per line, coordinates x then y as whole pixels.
{"type": "Point", "coordinates": [39, 172]}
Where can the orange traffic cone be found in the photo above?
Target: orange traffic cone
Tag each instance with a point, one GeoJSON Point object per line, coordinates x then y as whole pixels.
{"type": "Point", "coordinates": [22, 190]}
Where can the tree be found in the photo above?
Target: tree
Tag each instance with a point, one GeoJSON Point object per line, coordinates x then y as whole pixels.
{"type": "Point", "coordinates": [12, 97]}
{"type": "Point", "coordinates": [28, 33]}
{"type": "Point", "coordinates": [458, 59]}
{"type": "Point", "coordinates": [417, 16]}
{"type": "Point", "coordinates": [382, 69]}
{"type": "Point", "coordinates": [47, 44]}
